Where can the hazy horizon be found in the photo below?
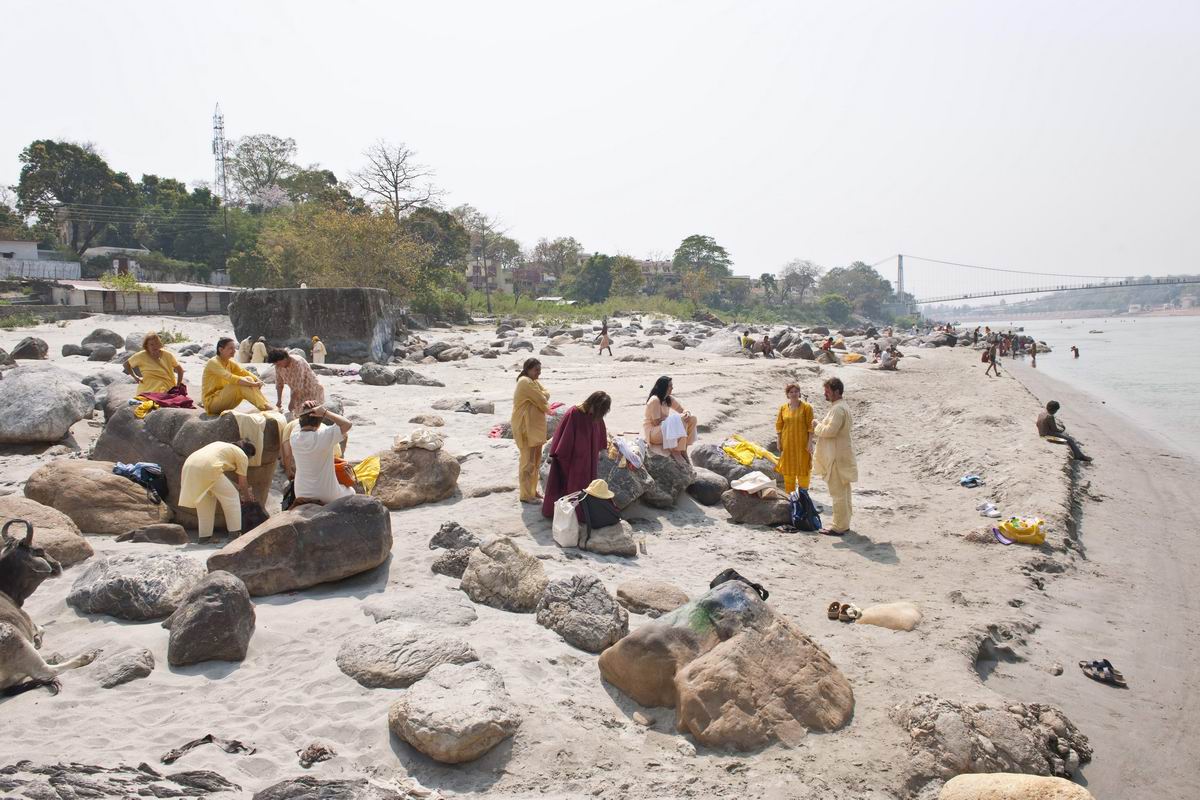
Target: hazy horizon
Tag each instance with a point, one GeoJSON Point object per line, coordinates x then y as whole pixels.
{"type": "Point", "coordinates": [1038, 137]}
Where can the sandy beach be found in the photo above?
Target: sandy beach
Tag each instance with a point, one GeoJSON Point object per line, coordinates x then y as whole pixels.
{"type": "Point", "coordinates": [1113, 580]}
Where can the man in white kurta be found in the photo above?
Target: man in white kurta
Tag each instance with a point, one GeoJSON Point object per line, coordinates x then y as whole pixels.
{"type": "Point", "coordinates": [834, 456]}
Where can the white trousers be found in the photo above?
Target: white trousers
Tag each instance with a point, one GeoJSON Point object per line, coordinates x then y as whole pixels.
{"type": "Point", "coordinates": [673, 428]}
{"type": "Point", "coordinates": [225, 493]}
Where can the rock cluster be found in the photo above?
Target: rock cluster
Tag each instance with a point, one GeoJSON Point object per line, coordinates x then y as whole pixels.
{"type": "Point", "coordinates": [73, 485]}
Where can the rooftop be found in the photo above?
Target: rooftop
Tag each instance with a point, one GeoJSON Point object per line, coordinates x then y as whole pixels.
{"type": "Point", "coordinates": [96, 286]}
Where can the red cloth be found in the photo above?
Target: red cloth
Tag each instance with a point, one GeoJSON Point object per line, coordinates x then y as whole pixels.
{"type": "Point", "coordinates": [176, 397]}
{"type": "Point", "coordinates": [573, 454]}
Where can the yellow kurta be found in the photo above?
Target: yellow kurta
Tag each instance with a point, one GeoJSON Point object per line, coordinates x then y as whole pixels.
{"type": "Point", "coordinates": [258, 353]}
{"type": "Point", "coordinates": [793, 429]}
{"type": "Point", "coordinates": [319, 352]}
{"type": "Point", "coordinates": [530, 404]}
{"type": "Point", "coordinates": [217, 376]}
{"type": "Point", "coordinates": [834, 456]}
{"type": "Point", "coordinates": [205, 467]}
{"type": "Point", "coordinates": [158, 374]}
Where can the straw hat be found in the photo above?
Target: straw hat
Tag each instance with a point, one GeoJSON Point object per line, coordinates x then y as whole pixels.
{"type": "Point", "coordinates": [599, 488]}
{"type": "Point", "coordinates": [753, 482]}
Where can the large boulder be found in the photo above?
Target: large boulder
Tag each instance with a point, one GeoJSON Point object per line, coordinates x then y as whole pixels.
{"type": "Point", "coordinates": [376, 375]}
{"type": "Point", "coordinates": [582, 612]}
{"type": "Point", "coordinates": [670, 478]}
{"type": "Point", "coordinates": [214, 623]}
{"type": "Point", "coordinates": [53, 531]}
{"type": "Point", "coordinates": [92, 496]}
{"type": "Point", "coordinates": [159, 533]}
{"type": "Point", "coordinates": [395, 654]}
{"type": "Point", "coordinates": [456, 713]}
{"type": "Point", "coordinates": [102, 352]}
{"type": "Point", "coordinates": [421, 608]}
{"type": "Point", "coordinates": [167, 437]}
{"type": "Point", "coordinates": [355, 324]}
{"type": "Point", "coordinates": [105, 336]}
{"type": "Point", "coordinates": [414, 476]}
{"type": "Point", "coordinates": [711, 457]}
{"type": "Point", "coordinates": [135, 587]}
{"type": "Point", "coordinates": [650, 597]}
{"type": "Point", "coordinates": [309, 545]}
{"type": "Point", "coordinates": [949, 738]}
{"type": "Point", "coordinates": [41, 403]}
{"type": "Point", "coordinates": [502, 575]}
{"type": "Point", "coordinates": [707, 486]}
{"type": "Point", "coordinates": [30, 348]}
{"type": "Point", "coordinates": [627, 485]}
{"type": "Point", "coordinates": [755, 509]}
{"type": "Point", "coordinates": [99, 382]}
{"type": "Point", "coordinates": [410, 377]}
{"type": "Point", "coordinates": [1011, 786]}
{"type": "Point", "coordinates": [724, 344]}
{"type": "Point", "coordinates": [738, 675]}
{"type": "Point", "coordinates": [612, 540]}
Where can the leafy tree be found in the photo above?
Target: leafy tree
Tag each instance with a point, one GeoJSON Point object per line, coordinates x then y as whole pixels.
{"type": "Point", "coordinates": [702, 253]}
{"type": "Point", "coordinates": [627, 277]}
{"type": "Point", "coordinates": [799, 277]}
{"type": "Point", "coordinates": [867, 290]}
{"type": "Point", "coordinates": [123, 283]}
{"type": "Point", "coordinates": [735, 292]}
{"type": "Point", "coordinates": [696, 286]}
{"type": "Point", "coordinates": [12, 222]}
{"type": "Point", "coordinates": [321, 186]}
{"type": "Point", "coordinates": [258, 163]}
{"type": "Point", "coordinates": [767, 281]}
{"type": "Point", "coordinates": [558, 257]}
{"type": "Point", "coordinates": [71, 183]}
{"type": "Point", "coordinates": [593, 282]}
{"type": "Point", "coordinates": [488, 245]}
{"type": "Point", "coordinates": [181, 224]}
{"type": "Point", "coordinates": [835, 308]}
{"type": "Point", "coordinates": [448, 241]}
{"type": "Point", "coordinates": [393, 181]}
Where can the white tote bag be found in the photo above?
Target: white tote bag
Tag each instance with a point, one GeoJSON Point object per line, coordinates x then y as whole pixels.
{"type": "Point", "coordinates": [565, 528]}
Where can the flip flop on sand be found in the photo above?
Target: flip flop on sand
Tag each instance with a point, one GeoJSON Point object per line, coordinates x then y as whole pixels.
{"type": "Point", "coordinates": [1097, 671]}
{"type": "Point", "coordinates": [835, 608]}
{"type": "Point", "coordinates": [849, 613]}
{"type": "Point", "coordinates": [831, 532]}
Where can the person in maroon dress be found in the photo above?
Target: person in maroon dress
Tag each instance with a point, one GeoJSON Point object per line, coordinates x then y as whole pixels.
{"type": "Point", "coordinates": [574, 450]}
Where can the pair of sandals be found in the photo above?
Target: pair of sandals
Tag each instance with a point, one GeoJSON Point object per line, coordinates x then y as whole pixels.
{"type": "Point", "coordinates": [843, 612]}
{"type": "Point", "coordinates": [1104, 672]}
{"type": "Point", "coordinates": [831, 532]}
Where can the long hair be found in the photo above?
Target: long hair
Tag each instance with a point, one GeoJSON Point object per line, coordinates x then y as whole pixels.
{"type": "Point", "coordinates": [596, 405]}
{"type": "Point", "coordinates": [529, 364]}
{"type": "Point", "coordinates": [660, 390]}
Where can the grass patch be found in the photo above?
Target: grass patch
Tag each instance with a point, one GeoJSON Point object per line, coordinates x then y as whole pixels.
{"type": "Point", "coordinates": [22, 319]}
{"type": "Point", "coordinates": [173, 336]}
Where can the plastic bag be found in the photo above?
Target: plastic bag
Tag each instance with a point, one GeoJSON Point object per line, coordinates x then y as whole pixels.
{"type": "Point", "coordinates": [565, 528]}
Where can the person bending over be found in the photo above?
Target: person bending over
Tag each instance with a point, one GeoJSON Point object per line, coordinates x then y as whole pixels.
{"type": "Point", "coordinates": [204, 484]}
{"type": "Point", "coordinates": [1048, 425]}
{"type": "Point", "coordinates": [296, 373]}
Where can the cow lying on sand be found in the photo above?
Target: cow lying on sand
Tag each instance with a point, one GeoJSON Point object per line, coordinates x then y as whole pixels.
{"type": "Point", "coordinates": [23, 567]}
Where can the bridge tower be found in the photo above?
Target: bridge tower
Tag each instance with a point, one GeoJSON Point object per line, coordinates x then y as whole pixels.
{"type": "Point", "coordinates": [900, 280]}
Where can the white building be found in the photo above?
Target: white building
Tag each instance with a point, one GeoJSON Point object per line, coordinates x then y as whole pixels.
{"type": "Point", "coordinates": [21, 259]}
{"type": "Point", "coordinates": [163, 298]}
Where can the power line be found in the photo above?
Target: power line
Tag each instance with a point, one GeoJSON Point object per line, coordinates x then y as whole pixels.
{"type": "Point", "coordinates": [1011, 271]}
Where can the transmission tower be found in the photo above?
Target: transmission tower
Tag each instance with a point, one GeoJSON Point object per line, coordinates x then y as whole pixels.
{"type": "Point", "coordinates": [220, 183]}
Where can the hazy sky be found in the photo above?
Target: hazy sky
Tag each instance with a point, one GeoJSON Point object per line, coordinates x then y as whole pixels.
{"type": "Point", "coordinates": [1061, 136]}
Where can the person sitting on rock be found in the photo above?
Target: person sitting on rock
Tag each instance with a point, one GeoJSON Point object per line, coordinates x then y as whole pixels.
{"type": "Point", "coordinates": [768, 349]}
{"type": "Point", "coordinates": [319, 352]}
{"type": "Point", "coordinates": [313, 448]}
{"type": "Point", "coordinates": [258, 353]}
{"type": "Point", "coordinates": [204, 484]}
{"type": "Point", "coordinates": [666, 422]}
{"type": "Point", "coordinates": [226, 383]}
{"type": "Point", "coordinates": [747, 343]}
{"type": "Point", "coordinates": [154, 368]}
{"type": "Point", "coordinates": [876, 352]}
{"type": "Point", "coordinates": [298, 375]}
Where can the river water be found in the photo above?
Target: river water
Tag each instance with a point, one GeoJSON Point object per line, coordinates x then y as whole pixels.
{"type": "Point", "coordinates": [1148, 368]}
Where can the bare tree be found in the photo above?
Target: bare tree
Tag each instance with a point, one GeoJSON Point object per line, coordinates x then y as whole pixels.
{"type": "Point", "coordinates": [393, 181]}
{"type": "Point", "coordinates": [800, 276]}
{"type": "Point", "coordinates": [489, 246]}
{"type": "Point", "coordinates": [259, 162]}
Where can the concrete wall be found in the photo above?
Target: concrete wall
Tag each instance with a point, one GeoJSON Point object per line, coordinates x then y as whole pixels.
{"type": "Point", "coordinates": [110, 302]}
{"type": "Point", "coordinates": [35, 268]}
{"type": "Point", "coordinates": [10, 250]}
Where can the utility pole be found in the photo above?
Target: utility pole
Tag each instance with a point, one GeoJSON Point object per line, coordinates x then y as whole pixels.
{"type": "Point", "coordinates": [219, 181]}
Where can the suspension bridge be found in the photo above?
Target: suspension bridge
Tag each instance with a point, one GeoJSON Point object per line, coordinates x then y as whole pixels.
{"type": "Point", "coordinates": [924, 281]}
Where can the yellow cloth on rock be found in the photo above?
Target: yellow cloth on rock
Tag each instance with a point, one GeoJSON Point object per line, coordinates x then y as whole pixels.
{"type": "Point", "coordinates": [367, 472]}
{"type": "Point", "coordinates": [206, 466]}
{"type": "Point", "coordinates": [745, 452]}
{"type": "Point", "coordinates": [834, 456]}
{"type": "Point", "coordinates": [530, 404]}
{"type": "Point", "coordinates": [145, 408]}
{"type": "Point", "coordinates": [853, 358]}
{"type": "Point", "coordinates": [158, 374]}
{"type": "Point", "coordinates": [253, 427]}
{"type": "Point", "coordinates": [793, 428]}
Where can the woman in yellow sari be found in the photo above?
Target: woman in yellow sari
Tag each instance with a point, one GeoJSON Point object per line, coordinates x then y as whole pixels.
{"type": "Point", "coordinates": [530, 404]}
{"type": "Point", "coordinates": [156, 368]}
{"type": "Point", "coordinates": [226, 383]}
{"type": "Point", "coordinates": [794, 424]}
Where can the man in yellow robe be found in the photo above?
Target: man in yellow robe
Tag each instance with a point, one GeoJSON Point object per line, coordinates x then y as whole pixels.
{"type": "Point", "coordinates": [226, 383]}
{"type": "Point", "coordinates": [834, 456]}
{"type": "Point", "coordinates": [530, 404]}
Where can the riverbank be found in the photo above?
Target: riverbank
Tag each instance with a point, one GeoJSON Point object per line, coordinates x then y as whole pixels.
{"type": "Point", "coordinates": [917, 536]}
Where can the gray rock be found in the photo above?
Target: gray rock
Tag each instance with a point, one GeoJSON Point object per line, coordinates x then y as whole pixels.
{"type": "Point", "coordinates": [428, 608]}
{"type": "Point", "coordinates": [428, 420]}
{"type": "Point", "coordinates": [133, 342]}
{"type": "Point", "coordinates": [376, 375]}
{"type": "Point", "coordinates": [395, 654]}
{"type": "Point", "coordinates": [105, 336]}
{"type": "Point", "coordinates": [123, 667]}
{"type": "Point", "coordinates": [452, 563]}
{"type": "Point", "coordinates": [74, 350]}
{"type": "Point", "coordinates": [714, 459]}
{"type": "Point", "coordinates": [516, 344]}
{"type": "Point", "coordinates": [355, 324]}
{"type": "Point", "coordinates": [414, 476]}
{"type": "Point", "coordinates": [583, 613]}
{"type": "Point", "coordinates": [751, 509]}
{"type": "Point", "coordinates": [453, 536]}
{"type": "Point", "coordinates": [456, 714]}
{"type": "Point", "coordinates": [502, 575]}
{"type": "Point", "coordinates": [186, 350]}
{"type": "Point", "coordinates": [707, 487]}
{"type": "Point", "coordinates": [207, 351]}
{"type": "Point", "coordinates": [454, 354]}
{"type": "Point", "coordinates": [550, 350]}
{"type": "Point", "coordinates": [650, 597]}
{"type": "Point", "coordinates": [309, 545]}
{"type": "Point", "coordinates": [102, 352]}
{"type": "Point", "coordinates": [158, 533]}
{"type": "Point", "coordinates": [410, 377]}
{"type": "Point", "coordinates": [670, 479]}
{"type": "Point", "coordinates": [310, 788]}
{"type": "Point", "coordinates": [41, 403]}
{"type": "Point", "coordinates": [135, 587]}
{"type": "Point", "coordinates": [627, 485]}
{"type": "Point", "coordinates": [612, 540]}
{"type": "Point", "coordinates": [214, 623]}
{"type": "Point", "coordinates": [30, 348]}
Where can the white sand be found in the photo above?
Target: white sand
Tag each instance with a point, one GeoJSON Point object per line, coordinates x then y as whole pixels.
{"type": "Point", "coordinates": [916, 432]}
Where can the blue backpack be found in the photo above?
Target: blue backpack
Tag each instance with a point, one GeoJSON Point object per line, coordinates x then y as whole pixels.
{"type": "Point", "coordinates": [804, 512]}
{"type": "Point", "coordinates": [147, 475]}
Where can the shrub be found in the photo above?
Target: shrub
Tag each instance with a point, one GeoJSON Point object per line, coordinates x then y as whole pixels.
{"type": "Point", "coordinates": [173, 336]}
{"type": "Point", "coordinates": [123, 283]}
{"type": "Point", "coordinates": [21, 319]}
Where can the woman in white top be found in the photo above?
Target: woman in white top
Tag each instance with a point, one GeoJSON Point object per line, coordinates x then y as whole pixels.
{"type": "Point", "coordinates": [313, 447]}
{"type": "Point", "coordinates": [668, 424]}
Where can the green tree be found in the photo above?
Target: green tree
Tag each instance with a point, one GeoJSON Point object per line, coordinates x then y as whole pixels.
{"type": "Point", "coordinates": [12, 223]}
{"type": "Point", "coordinates": [558, 257]}
{"type": "Point", "coordinates": [627, 277]}
{"type": "Point", "coordinates": [702, 253]}
{"type": "Point", "coordinates": [448, 241]}
{"type": "Point", "coordinates": [867, 290]}
{"type": "Point", "coordinates": [697, 286]}
{"type": "Point", "coordinates": [835, 308]}
{"type": "Point", "coordinates": [258, 163]}
{"type": "Point", "coordinates": [593, 282]}
{"type": "Point", "coordinates": [735, 292]}
{"type": "Point", "coordinates": [767, 281]}
{"type": "Point", "coordinates": [321, 186]}
{"type": "Point", "coordinates": [71, 184]}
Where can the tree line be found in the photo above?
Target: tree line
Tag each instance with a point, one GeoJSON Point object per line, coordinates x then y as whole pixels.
{"type": "Point", "coordinates": [383, 225]}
